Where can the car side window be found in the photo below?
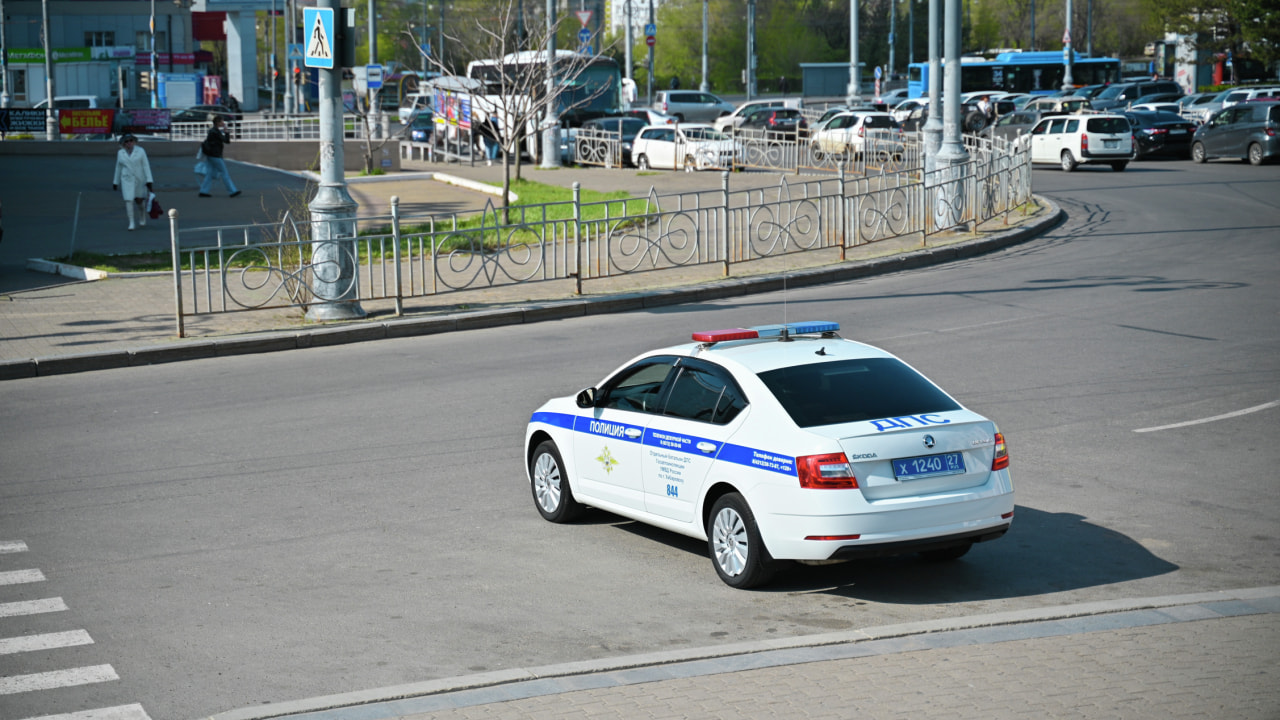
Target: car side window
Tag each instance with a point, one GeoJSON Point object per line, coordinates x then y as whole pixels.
{"type": "Point", "coordinates": [1057, 126]}
{"type": "Point", "coordinates": [665, 135]}
{"type": "Point", "coordinates": [704, 393]}
{"type": "Point", "coordinates": [1072, 125]}
{"type": "Point", "coordinates": [1040, 129]}
{"type": "Point", "coordinates": [639, 387]}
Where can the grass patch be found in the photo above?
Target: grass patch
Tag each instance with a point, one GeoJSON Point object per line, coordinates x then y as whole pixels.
{"type": "Point", "coordinates": [539, 203]}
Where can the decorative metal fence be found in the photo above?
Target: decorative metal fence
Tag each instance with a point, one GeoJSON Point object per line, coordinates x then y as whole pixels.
{"type": "Point", "coordinates": [248, 267]}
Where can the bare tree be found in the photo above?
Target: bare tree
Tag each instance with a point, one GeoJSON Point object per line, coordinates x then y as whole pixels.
{"type": "Point", "coordinates": [515, 95]}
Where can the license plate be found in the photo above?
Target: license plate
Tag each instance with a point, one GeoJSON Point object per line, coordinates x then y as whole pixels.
{"type": "Point", "coordinates": [1110, 143]}
{"type": "Point", "coordinates": [928, 466]}
{"type": "Point", "coordinates": [1177, 132]}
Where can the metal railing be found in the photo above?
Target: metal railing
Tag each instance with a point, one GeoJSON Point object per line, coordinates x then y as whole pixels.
{"type": "Point", "coordinates": [247, 267]}
{"type": "Point", "coordinates": [271, 129]}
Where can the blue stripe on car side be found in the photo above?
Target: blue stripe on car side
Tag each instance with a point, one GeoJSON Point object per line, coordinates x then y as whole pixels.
{"type": "Point", "coordinates": [727, 452]}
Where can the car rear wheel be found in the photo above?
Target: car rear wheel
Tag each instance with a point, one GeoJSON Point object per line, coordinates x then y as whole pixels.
{"type": "Point", "coordinates": [690, 164]}
{"type": "Point", "coordinates": [642, 162]}
{"type": "Point", "coordinates": [1068, 161]}
{"type": "Point", "coordinates": [550, 484]}
{"type": "Point", "coordinates": [955, 552]}
{"type": "Point", "coordinates": [1197, 153]}
{"type": "Point", "coordinates": [1119, 166]}
{"type": "Point", "coordinates": [737, 551]}
{"type": "Point", "coordinates": [1255, 154]}
{"type": "Point", "coordinates": [816, 152]}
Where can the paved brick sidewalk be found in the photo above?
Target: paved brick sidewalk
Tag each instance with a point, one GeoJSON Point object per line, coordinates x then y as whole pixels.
{"type": "Point", "coordinates": [1211, 655]}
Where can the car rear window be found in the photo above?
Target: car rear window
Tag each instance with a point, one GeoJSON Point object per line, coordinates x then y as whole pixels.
{"type": "Point", "coordinates": [1108, 125]}
{"type": "Point", "coordinates": [854, 390]}
{"type": "Point", "coordinates": [879, 121]}
{"type": "Point", "coordinates": [1274, 114]}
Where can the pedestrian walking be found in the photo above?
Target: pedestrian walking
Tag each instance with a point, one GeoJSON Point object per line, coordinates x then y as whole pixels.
{"type": "Point", "coordinates": [133, 180]}
{"type": "Point", "coordinates": [212, 147]}
{"type": "Point", "coordinates": [488, 132]}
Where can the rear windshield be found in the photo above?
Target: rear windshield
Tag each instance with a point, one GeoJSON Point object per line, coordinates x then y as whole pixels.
{"type": "Point", "coordinates": [854, 390]}
{"type": "Point", "coordinates": [879, 121]}
{"type": "Point", "coordinates": [1108, 125]}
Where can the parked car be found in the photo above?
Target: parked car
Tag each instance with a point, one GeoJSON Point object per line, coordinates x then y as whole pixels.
{"type": "Point", "coordinates": [624, 128]}
{"type": "Point", "coordinates": [893, 97]}
{"type": "Point", "coordinates": [1160, 134]}
{"type": "Point", "coordinates": [1063, 105]}
{"type": "Point", "coordinates": [650, 116]}
{"type": "Point", "coordinates": [904, 108]}
{"type": "Point", "coordinates": [422, 126]}
{"type": "Point", "coordinates": [1166, 107]}
{"type": "Point", "coordinates": [687, 146]}
{"type": "Point", "coordinates": [1122, 95]}
{"type": "Point", "coordinates": [1073, 140]}
{"type": "Point", "coordinates": [414, 103]}
{"type": "Point", "coordinates": [1248, 130]}
{"type": "Point", "coordinates": [845, 134]}
{"type": "Point", "coordinates": [776, 120]}
{"type": "Point", "coordinates": [1239, 95]}
{"type": "Point", "coordinates": [692, 105]}
{"type": "Point", "coordinates": [724, 123]}
{"type": "Point", "coordinates": [1013, 125]}
{"type": "Point", "coordinates": [203, 114]}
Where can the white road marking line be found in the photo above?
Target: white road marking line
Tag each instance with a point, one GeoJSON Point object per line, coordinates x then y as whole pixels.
{"type": "Point", "coordinates": [57, 679]}
{"type": "Point", "coordinates": [17, 577]}
{"type": "Point", "coordinates": [32, 607]}
{"type": "Point", "coordinates": [1237, 413]}
{"type": "Point", "coordinates": [123, 712]}
{"type": "Point", "coordinates": [12, 547]}
{"type": "Point", "coordinates": [44, 641]}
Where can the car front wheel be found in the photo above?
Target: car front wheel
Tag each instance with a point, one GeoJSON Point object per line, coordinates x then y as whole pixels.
{"type": "Point", "coordinates": [737, 551]}
{"type": "Point", "coordinates": [1198, 153]}
{"type": "Point", "coordinates": [550, 484]}
{"type": "Point", "coordinates": [642, 162]}
{"type": "Point", "coordinates": [1068, 161]}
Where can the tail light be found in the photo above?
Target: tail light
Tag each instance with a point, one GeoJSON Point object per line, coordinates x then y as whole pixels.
{"type": "Point", "coordinates": [1084, 143]}
{"type": "Point", "coordinates": [1001, 460]}
{"type": "Point", "coordinates": [1270, 132]}
{"type": "Point", "coordinates": [826, 472]}
{"type": "Point", "coordinates": [861, 131]}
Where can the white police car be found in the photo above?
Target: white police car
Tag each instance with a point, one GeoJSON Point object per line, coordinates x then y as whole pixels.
{"type": "Point", "coordinates": [781, 442]}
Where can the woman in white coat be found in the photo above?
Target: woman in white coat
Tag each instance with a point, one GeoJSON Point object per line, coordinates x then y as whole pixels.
{"type": "Point", "coordinates": [133, 179]}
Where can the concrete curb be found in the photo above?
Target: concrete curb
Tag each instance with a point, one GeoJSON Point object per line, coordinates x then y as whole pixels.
{"type": "Point", "coordinates": [631, 662]}
{"type": "Point", "coordinates": [529, 313]}
{"type": "Point", "coordinates": [65, 270]}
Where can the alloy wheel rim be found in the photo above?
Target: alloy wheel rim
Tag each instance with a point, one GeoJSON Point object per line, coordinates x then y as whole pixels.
{"type": "Point", "coordinates": [729, 538]}
{"type": "Point", "coordinates": [546, 483]}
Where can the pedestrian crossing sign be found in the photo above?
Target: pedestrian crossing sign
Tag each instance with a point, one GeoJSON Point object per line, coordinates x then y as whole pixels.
{"type": "Point", "coordinates": [318, 24]}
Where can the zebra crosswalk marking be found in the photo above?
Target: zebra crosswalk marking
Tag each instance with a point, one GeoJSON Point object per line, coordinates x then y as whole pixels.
{"type": "Point", "coordinates": [15, 546]}
{"type": "Point", "coordinates": [17, 577]}
{"type": "Point", "coordinates": [57, 679]}
{"type": "Point", "coordinates": [32, 607]}
{"type": "Point", "coordinates": [121, 712]}
{"type": "Point", "coordinates": [44, 641]}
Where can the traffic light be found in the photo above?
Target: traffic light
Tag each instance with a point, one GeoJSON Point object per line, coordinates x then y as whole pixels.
{"type": "Point", "coordinates": [297, 76]}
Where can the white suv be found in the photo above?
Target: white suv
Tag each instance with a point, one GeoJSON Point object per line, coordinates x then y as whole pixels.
{"type": "Point", "coordinates": [1071, 140]}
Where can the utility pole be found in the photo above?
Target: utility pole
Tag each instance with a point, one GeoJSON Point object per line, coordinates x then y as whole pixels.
{"type": "Point", "coordinates": [751, 49]}
{"type": "Point", "coordinates": [4, 63]}
{"type": "Point", "coordinates": [551, 129]}
{"type": "Point", "coordinates": [630, 38]}
{"type": "Point", "coordinates": [650, 101]}
{"type": "Point", "coordinates": [854, 94]}
{"type": "Point", "coordinates": [704, 86]}
{"type": "Point", "coordinates": [1067, 81]}
{"type": "Point", "coordinates": [335, 279]}
{"type": "Point", "coordinates": [893, 25]}
{"type": "Point", "coordinates": [50, 114]}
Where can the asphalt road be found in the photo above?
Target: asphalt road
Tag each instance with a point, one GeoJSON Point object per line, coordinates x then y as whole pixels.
{"type": "Point", "coordinates": [274, 527]}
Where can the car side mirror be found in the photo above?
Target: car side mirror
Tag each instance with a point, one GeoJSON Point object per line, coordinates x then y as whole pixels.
{"type": "Point", "coordinates": [587, 398]}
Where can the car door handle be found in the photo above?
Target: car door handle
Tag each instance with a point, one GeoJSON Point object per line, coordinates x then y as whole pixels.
{"type": "Point", "coordinates": [706, 447]}
{"type": "Point", "coordinates": [634, 432]}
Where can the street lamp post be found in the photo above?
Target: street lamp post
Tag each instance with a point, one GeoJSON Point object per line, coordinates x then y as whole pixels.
{"type": "Point", "coordinates": [4, 62]}
{"type": "Point", "coordinates": [854, 94]}
{"type": "Point", "coordinates": [1067, 81]}
{"type": "Point", "coordinates": [704, 86]}
{"type": "Point", "coordinates": [155, 85]}
{"type": "Point", "coordinates": [50, 115]}
{"type": "Point", "coordinates": [551, 128]}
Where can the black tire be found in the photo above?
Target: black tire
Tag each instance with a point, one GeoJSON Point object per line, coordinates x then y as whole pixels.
{"type": "Point", "coordinates": [974, 122]}
{"type": "Point", "coordinates": [1255, 154]}
{"type": "Point", "coordinates": [737, 552]}
{"type": "Point", "coordinates": [955, 552]}
{"type": "Point", "coordinates": [1197, 153]}
{"type": "Point", "coordinates": [550, 485]}
{"type": "Point", "coordinates": [1119, 166]}
{"type": "Point", "coordinates": [1068, 161]}
{"type": "Point", "coordinates": [642, 162]}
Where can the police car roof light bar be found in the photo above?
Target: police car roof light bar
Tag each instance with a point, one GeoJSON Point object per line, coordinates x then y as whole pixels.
{"type": "Point", "coordinates": [715, 336]}
{"type": "Point", "coordinates": [810, 327]}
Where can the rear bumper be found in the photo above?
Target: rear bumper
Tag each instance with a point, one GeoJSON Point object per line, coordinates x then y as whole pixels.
{"type": "Point", "coordinates": [851, 552]}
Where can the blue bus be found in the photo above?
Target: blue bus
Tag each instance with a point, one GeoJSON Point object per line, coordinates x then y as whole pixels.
{"type": "Point", "coordinates": [1019, 72]}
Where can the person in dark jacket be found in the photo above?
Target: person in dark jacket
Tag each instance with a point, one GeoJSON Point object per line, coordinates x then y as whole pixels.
{"type": "Point", "coordinates": [212, 148]}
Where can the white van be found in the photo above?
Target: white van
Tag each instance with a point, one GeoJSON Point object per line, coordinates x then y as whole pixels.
{"type": "Point", "coordinates": [71, 102]}
{"type": "Point", "coordinates": [1072, 140]}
